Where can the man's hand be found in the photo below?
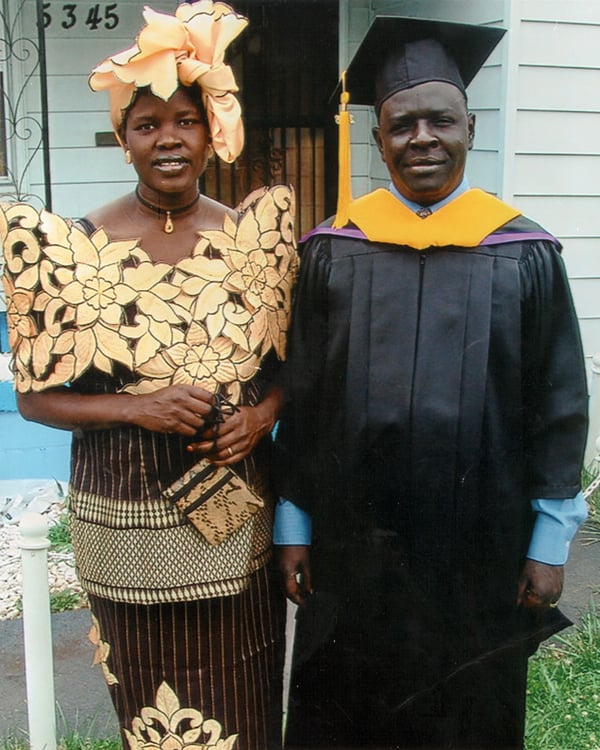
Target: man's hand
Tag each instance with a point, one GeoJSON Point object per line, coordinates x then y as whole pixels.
{"type": "Point", "coordinates": [540, 585]}
{"type": "Point", "coordinates": [294, 564]}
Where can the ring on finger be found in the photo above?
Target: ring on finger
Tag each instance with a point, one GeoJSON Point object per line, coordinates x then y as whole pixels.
{"type": "Point", "coordinates": [229, 451]}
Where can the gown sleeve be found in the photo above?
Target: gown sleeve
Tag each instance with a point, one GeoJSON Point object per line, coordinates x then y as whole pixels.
{"type": "Point", "coordinates": [295, 445]}
{"type": "Point", "coordinates": [554, 380]}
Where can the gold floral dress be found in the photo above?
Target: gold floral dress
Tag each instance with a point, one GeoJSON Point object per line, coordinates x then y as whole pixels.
{"type": "Point", "coordinates": [99, 316]}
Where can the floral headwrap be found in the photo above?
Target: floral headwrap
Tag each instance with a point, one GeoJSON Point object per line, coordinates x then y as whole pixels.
{"type": "Point", "coordinates": [186, 48]}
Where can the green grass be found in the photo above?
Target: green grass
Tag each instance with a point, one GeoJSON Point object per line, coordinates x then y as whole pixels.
{"type": "Point", "coordinates": [78, 742]}
{"type": "Point", "coordinates": [60, 601]}
{"type": "Point", "coordinates": [563, 705]}
{"type": "Point", "coordinates": [563, 702]}
{"type": "Point", "coordinates": [12, 743]}
{"type": "Point", "coordinates": [73, 741]}
{"type": "Point", "coordinates": [59, 534]}
{"type": "Point", "coordinates": [85, 737]}
{"type": "Point", "coordinates": [590, 531]}
{"type": "Point", "coordinates": [63, 601]}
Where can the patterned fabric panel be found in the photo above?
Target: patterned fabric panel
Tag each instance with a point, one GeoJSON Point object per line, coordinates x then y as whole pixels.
{"type": "Point", "coordinates": [134, 546]}
{"type": "Point", "coordinates": [146, 566]}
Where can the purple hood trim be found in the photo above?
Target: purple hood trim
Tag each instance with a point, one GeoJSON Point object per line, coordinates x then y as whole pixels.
{"type": "Point", "coordinates": [491, 239]}
{"type": "Point", "coordinates": [354, 233]}
{"type": "Point", "coordinates": [501, 237]}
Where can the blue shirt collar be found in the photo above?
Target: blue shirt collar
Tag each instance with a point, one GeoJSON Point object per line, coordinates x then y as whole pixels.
{"type": "Point", "coordinates": [462, 188]}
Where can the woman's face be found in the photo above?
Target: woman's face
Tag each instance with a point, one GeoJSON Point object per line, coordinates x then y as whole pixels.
{"type": "Point", "coordinates": [169, 144]}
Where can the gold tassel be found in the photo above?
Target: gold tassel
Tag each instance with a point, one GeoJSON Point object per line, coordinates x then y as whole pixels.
{"type": "Point", "coordinates": [344, 120]}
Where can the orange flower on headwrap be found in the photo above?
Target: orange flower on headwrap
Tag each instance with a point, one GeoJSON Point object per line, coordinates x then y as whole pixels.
{"type": "Point", "coordinates": [186, 48]}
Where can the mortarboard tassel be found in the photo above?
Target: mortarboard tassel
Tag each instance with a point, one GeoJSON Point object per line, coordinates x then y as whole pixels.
{"type": "Point", "coordinates": [343, 119]}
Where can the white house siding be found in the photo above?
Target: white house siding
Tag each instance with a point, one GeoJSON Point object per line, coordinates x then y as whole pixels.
{"type": "Point", "coordinates": [537, 102]}
{"type": "Point", "coordinates": [18, 61]}
{"type": "Point", "coordinates": [533, 147]}
{"type": "Point", "coordinates": [556, 162]}
{"type": "Point", "coordinates": [84, 175]}
{"type": "Point", "coordinates": [486, 93]}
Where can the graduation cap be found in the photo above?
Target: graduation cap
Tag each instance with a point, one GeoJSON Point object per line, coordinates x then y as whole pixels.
{"type": "Point", "coordinates": [398, 53]}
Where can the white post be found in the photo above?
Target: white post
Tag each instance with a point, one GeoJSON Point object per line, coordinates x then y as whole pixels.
{"type": "Point", "coordinates": [594, 412]}
{"type": "Point", "coordinates": [290, 635]}
{"type": "Point", "coordinates": [37, 632]}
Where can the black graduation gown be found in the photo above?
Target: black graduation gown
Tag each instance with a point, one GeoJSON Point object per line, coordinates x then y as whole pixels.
{"type": "Point", "coordinates": [432, 395]}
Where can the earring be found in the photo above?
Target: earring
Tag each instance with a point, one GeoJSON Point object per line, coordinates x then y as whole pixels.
{"type": "Point", "coordinates": [127, 156]}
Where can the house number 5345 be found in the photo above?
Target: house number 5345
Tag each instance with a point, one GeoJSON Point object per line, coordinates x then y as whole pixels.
{"type": "Point", "coordinates": [68, 15]}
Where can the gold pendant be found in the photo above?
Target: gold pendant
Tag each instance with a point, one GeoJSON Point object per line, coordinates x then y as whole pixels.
{"type": "Point", "coordinates": [169, 224]}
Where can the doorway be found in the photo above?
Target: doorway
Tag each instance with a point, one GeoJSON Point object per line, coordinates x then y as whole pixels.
{"type": "Point", "coordinates": [286, 65]}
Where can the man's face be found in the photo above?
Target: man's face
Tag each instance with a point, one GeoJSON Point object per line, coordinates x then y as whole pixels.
{"type": "Point", "coordinates": [423, 137]}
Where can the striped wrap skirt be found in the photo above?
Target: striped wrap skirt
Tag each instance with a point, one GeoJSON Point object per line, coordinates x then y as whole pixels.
{"type": "Point", "coordinates": [195, 674]}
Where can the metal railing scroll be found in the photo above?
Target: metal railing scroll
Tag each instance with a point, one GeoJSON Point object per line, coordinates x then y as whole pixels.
{"type": "Point", "coordinates": [24, 144]}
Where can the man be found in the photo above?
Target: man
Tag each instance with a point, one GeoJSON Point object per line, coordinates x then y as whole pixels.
{"type": "Point", "coordinates": [434, 431]}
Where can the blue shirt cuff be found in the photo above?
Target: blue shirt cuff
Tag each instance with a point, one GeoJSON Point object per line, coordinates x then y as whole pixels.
{"type": "Point", "coordinates": [291, 525]}
{"type": "Point", "coordinates": [556, 524]}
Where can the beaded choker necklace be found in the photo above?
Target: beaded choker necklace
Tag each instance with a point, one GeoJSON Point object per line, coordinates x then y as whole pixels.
{"type": "Point", "coordinates": [168, 227]}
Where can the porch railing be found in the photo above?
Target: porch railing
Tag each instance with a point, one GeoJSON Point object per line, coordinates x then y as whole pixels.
{"type": "Point", "coordinates": [24, 79]}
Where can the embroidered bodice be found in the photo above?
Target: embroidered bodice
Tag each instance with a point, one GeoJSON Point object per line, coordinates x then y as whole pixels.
{"type": "Point", "coordinates": [77, 302]}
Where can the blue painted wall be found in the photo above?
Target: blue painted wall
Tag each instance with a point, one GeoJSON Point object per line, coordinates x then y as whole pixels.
{"type": "Point", "coordinates": [3, 333]}
{"type": "Point", "coordinates": [29, 450]}
{"type": "Point", "coordinates": [7, 397]}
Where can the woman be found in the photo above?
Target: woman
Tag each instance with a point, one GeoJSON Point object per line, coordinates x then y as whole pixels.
{"type": "Point", "coordinates": [132, 329]}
